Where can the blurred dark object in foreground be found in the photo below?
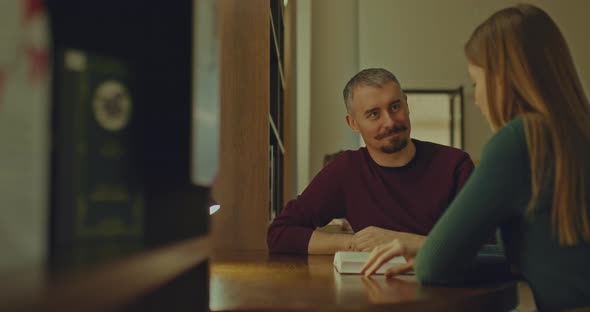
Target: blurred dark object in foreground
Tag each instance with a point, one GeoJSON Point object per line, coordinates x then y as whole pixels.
{"type": "Point", "coordinates": [121, 191]}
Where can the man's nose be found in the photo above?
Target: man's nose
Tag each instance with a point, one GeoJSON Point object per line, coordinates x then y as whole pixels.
{"type": "Point", "coordinates": [389, 120]}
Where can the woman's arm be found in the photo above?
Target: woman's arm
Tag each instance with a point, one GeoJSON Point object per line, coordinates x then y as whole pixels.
{"type": "Point", "coordinates": [492, 195]}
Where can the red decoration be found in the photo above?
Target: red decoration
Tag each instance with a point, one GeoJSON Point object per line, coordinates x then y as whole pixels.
{"type": "Point", "coordinates": [32, 8]}
{"type": "Point", "coordinates": [37, 63]}
{"type": "Point", "coordinates": [2, 80]}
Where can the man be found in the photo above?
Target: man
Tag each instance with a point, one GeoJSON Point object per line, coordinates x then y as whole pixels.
{"type": "Point", "coordinates": [396, 187]}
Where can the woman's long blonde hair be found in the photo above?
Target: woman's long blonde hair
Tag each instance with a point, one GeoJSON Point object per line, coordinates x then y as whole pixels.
{"type": "Point", "coordinates": [530, 74]}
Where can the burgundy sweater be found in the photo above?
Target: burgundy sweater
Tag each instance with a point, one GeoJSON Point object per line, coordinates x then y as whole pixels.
{"type": "Point", "coordinates": [352, 186]}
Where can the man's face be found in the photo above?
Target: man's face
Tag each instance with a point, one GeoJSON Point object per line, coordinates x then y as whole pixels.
{"type": "Point", "coordinates": [381, 116]}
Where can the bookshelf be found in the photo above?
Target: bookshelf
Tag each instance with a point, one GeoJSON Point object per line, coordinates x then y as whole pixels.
{"type": "Point", "coordinates": [153, 152]}
{"type": "Point", "coordinates": [276, 108]}
{"type": "Point", "coordinates": [123, 218]}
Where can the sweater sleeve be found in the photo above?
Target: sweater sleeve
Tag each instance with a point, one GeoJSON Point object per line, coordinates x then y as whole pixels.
{"type": "Point", "coordinates": [487, 199]}
{"type": "Point", "coordinates": [320, 202]}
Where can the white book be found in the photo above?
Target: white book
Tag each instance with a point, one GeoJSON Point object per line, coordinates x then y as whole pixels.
{"type": "Point", "coordinates": [351, 262]}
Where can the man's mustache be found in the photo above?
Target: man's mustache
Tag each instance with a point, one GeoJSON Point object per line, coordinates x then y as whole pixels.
{"type": "Point", "coordinates": [391, 131]}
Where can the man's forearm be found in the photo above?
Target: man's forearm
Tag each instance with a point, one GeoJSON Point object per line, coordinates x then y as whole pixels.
{"type": "Point", "coordinates": [328, 243]}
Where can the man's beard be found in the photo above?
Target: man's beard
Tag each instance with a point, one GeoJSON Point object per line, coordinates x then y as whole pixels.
{"type": "Point", "coordinates": [395, 144]}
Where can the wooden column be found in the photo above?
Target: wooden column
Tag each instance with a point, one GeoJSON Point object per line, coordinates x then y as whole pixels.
{"type": "Point", "coordinates": [242, 187]}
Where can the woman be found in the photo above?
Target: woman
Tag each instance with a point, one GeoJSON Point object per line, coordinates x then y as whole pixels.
{"type": "Point", "coordinates": [533, 178]}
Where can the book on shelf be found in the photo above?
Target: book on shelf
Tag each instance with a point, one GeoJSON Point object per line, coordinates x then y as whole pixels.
{"type": "Point", "coordinates": [351, 262]}
{"type": "Point", "coordinates": [98, 196]}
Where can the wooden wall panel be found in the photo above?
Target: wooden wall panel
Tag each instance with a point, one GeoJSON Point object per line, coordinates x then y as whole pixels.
{"type": "Point", "coordinates": [242, 187]}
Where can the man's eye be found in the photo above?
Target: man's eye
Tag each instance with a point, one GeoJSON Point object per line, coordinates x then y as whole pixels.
{"type": "Point", "coordinates": [373, 114]}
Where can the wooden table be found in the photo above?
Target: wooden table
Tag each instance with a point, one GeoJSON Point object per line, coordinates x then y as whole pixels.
{"type": "Point", "coordinates": [259, 281]}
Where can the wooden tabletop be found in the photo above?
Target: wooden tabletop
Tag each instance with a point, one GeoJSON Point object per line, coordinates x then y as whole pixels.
{"type": "Point", "coordinates": [259, 281]}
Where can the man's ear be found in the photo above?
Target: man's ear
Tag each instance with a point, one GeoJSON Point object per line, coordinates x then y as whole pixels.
{"type": "Point", "coordinates": [352, 123]}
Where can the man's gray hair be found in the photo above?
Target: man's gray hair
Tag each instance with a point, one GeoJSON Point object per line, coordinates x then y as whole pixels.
{"type": "Point", "coordinates": [374, 77]}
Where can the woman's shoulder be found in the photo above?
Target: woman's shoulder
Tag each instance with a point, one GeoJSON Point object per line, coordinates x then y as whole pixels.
{"type": "Point", "coordinates": [509, 140]}
{"type": "Point", "coordinates": [515, 126]}
{"type": "Point", "coordinates": [512, 132]}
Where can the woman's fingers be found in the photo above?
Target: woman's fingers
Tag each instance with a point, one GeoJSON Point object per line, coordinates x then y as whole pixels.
{"type": "Point", "coordinates": [380, 261]}
{"type": "Point", "coordinates": [380, 255]}
{"type": "Point", "coordinates": [374, 256]}
{"type": "Point", "coordinates": [401, 269]}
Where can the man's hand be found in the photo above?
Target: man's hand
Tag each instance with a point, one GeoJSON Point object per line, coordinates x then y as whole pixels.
{"type": "Point", "coordinates": [322, 243]}
{"type": "Point", "coordinates": [372, 236]}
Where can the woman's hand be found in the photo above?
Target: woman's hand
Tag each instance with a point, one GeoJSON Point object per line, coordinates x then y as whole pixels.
{"type": "Point", "coordinates": [385, 252]}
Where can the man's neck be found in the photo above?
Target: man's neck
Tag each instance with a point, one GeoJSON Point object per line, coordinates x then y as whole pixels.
{"type": "Point", "coordinates": [398, 159]}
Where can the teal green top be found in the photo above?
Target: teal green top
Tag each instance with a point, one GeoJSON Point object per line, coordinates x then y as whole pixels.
{"type": "Point", "coordinates": [496, 196]}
